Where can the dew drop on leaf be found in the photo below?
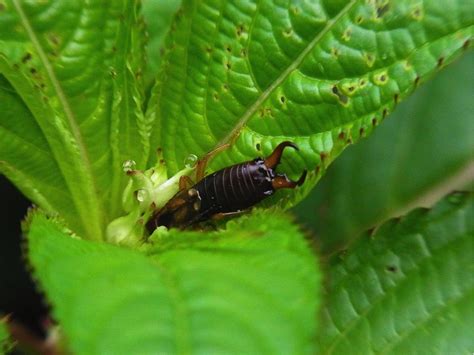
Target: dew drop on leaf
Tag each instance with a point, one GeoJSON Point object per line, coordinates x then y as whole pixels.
{"type": "Point", "coordinates": [141, 195]}
{"type": "Point", "coordinates": [190, 161]}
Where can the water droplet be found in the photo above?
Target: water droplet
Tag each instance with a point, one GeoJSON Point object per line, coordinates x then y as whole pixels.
{"type": "Point", "coordinates": [190, 161]}
{"type": "Point", "coordinates": [141, 195]}
{"type": "Point", "coordinates": [128, 165]}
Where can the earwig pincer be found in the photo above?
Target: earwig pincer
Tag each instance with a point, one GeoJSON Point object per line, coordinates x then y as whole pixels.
{"type": "Point", "coordinates": [229, 191]}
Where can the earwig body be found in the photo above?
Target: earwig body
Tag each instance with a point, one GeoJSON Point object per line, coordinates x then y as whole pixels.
{"type": "Point", "coordinates": [228, 191]}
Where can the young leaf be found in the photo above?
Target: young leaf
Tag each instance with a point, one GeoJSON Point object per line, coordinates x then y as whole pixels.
{"type": "Point", "coordinates": [73, 67]}
{"type": "Point", "coordinates": [320, 74]}
{"type": "Point", "coordinates": [407, 288]}
{"type": "Point", "coordinates": [425, 148]}
{"type": "Point", "coordinates": [252, 288]}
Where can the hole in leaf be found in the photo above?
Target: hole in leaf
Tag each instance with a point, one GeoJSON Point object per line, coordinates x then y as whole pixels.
{"type": "Point", "coordinates": [392, 268]}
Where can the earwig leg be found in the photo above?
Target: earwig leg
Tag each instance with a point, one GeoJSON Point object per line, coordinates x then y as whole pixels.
{"type": "Point", "coordinates": [281, 181]}
{"type": "Point", "coordinates": [202, 163]}
{"type": "Point", "coordinates": [274, 159]}
{"type": "Point", "coordinates": [185, 183]}
{"type": "Point", "coordinates": [222, 215]}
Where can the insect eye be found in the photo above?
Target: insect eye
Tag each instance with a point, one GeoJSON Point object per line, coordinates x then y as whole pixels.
{"type": "Point", "coordinates": [261, 170]}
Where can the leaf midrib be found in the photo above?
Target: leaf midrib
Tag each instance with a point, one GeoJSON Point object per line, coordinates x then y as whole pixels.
{"type": "Point", "coordinates": [277, 82]}
{"type": "Point", "coordinates": [70, 117]}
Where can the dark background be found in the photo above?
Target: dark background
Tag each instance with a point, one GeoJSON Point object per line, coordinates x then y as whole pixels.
{"type": "Point", "coordinates": [18, 296]}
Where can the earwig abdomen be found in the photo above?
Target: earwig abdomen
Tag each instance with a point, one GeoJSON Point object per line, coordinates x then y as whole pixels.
{"type": "Point", "coordinates": [235, 188]}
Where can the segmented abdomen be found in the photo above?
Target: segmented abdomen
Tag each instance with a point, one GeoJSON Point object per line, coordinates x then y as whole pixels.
{"type": "Point", "coordinates": [234, 188]}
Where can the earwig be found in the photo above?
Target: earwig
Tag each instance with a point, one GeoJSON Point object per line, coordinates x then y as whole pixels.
{"type": "Point", "coordinates": [229, 191]}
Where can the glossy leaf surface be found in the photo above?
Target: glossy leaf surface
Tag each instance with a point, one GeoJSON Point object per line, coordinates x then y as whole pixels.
{"type": "Point", "coordinates": [69, 81]}
{"type": "Point", "coordinates": [422, 151]}
{"type": "Point", "coordinates": [252, 288]}
{"type": "Point", "coordinates": [407, 288]}
{"type": "Point", "coordinates": [321, 74]}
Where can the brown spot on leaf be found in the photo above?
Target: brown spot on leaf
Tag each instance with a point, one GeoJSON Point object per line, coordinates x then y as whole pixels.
{"type": "Point", "coordinates": [342, 98]}
{"type": "Point", "coordinates": [382, 10]}
{"type": "Point", "coordinates": [440, 62]}
{"type": "Point", "coordinates": [26, 58]}
{"type": "Point", "coordinates": [466, 44]}
{"type": "Point", "coordinates": [240, 30]}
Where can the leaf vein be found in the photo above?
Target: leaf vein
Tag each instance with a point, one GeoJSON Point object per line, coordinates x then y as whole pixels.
{"type": "Point", "coordinates": [265, 94]}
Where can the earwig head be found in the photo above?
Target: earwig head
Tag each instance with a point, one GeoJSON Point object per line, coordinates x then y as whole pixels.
{"type": "Point", "coordinates": [273, 159]}
{"type": "Point", "coordinates": [281, 181]}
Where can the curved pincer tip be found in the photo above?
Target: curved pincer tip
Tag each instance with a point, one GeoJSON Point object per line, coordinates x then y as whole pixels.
{"type": "Point", "coordinates": [288, 144]}
{"type": "Point", "coordinates": [302, 178]}
{"type": "Point", "coordinates": [273, 159]}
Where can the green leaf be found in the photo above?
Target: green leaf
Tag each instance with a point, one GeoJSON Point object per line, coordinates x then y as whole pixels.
{"type": "Point", "coordinates": [5, 342]}
{"type": "Point", "coordinates": [424, 150]}
{"type": "Point", "coordinates": [320, 74]}
{"type": "Point", "coordinates": [74, 67]}
{"type": "Point", "coordinates": [407, 288]}
{"type": "Point", "coordinates": [26, 159]}
{"type": "Point", "coordinates": [158, 15]}
{"type": "Point", "coordinates": [252, 288]}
